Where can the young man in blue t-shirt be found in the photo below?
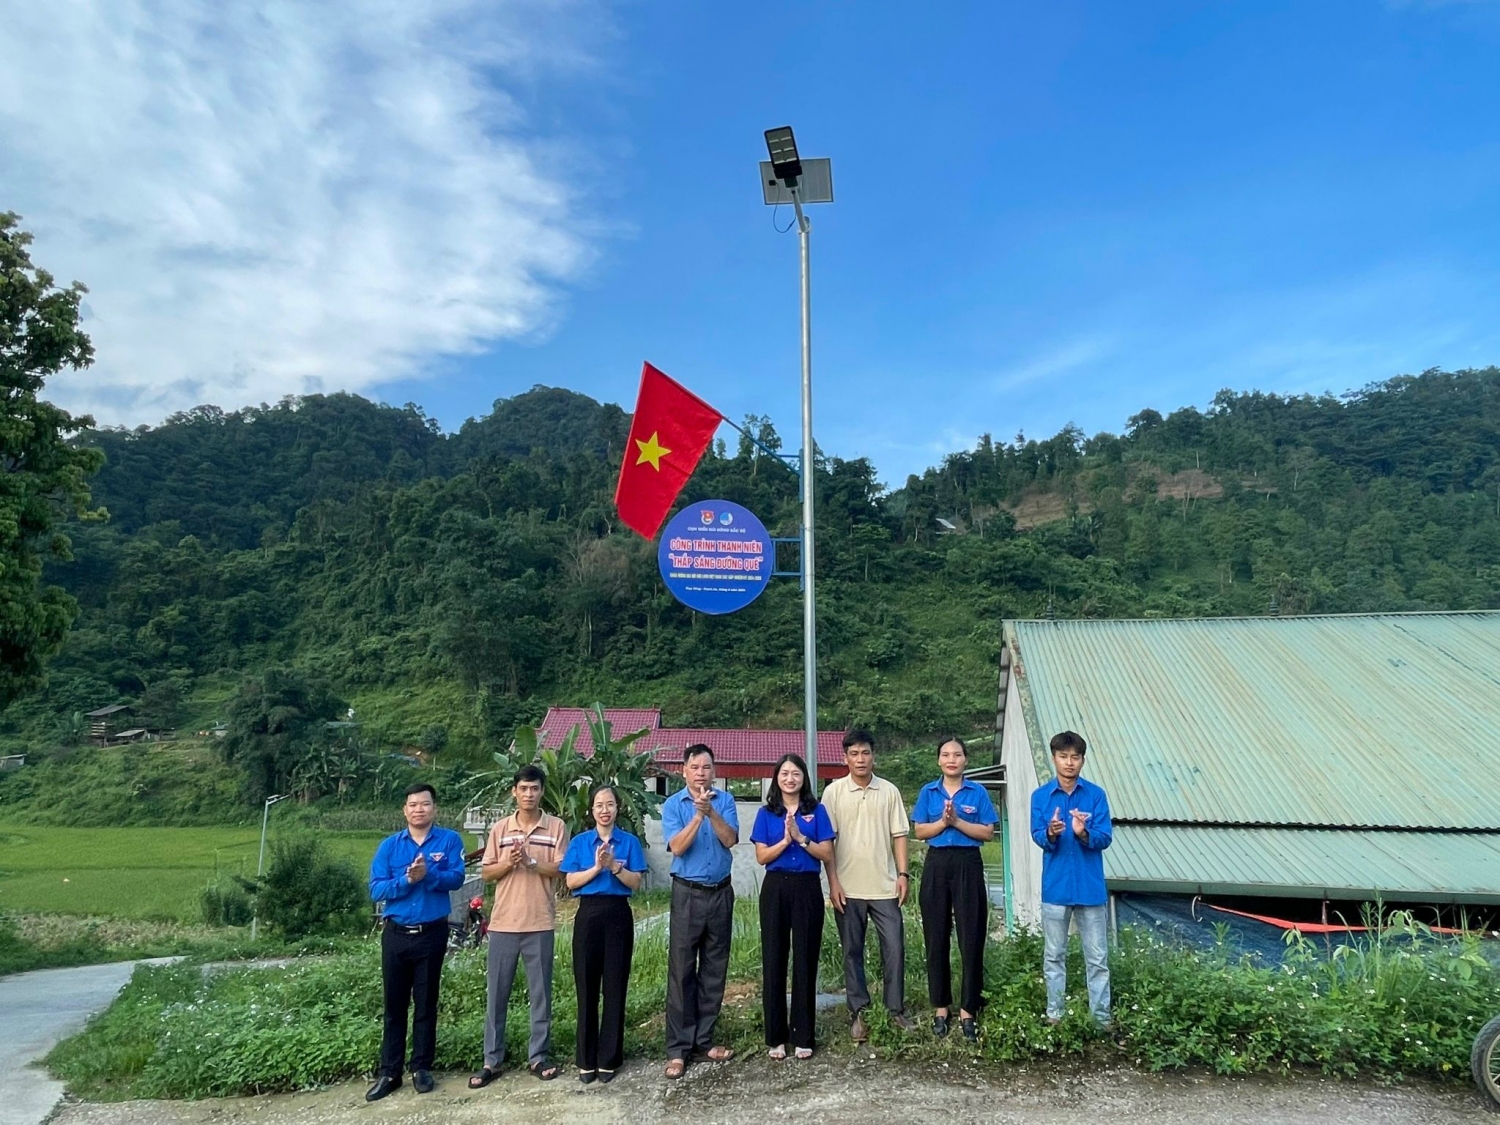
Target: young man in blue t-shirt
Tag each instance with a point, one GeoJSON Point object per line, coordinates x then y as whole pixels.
{"type": "Point", "coordinates": [1070, 823]}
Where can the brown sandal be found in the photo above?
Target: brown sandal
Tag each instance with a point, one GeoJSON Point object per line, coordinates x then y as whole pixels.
{"type": "Point", "coordinates": [717, 1053]}
{"type": "Point", "coordinates": [676, 1068]}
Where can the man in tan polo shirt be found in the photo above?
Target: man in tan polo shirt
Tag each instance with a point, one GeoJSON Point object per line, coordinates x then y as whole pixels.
{"type": "Point", "coordinates": [521, 857]}
{"type": "Point", "coordinates": [868, 878]}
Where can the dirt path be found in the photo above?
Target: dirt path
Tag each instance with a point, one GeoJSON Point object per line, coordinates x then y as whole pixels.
{"type": "Point", "coordinates": [833, 1091]}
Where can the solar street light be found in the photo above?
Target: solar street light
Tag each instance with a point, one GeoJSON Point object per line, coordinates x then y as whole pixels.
{"type": "Point", "coordinates": [787, 178]}
{"type": "Point", "coordinates": [782, 146]}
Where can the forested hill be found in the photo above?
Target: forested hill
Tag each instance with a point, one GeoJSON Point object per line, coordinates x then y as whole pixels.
{"type": "Point", "coordinates": [228, 478]}
{"type": "Point", "coordinates": [449, 586]}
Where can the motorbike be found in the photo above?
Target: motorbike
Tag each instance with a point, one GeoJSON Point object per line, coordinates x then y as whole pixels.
{"type": "Point", "coordinates": [470, 933]}
{"type": "Point", "coordinates": [1485, 1062]}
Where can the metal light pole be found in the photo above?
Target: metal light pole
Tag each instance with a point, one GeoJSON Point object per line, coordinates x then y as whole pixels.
{"type": "Point", "coordinates": [809, 595]}
{"type": "Point", "coordinates": [786, 178]}
{"type": "Point", "coordinates": [260, 863]}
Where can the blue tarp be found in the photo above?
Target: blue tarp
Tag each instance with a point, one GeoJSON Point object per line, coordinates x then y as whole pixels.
{"type": "Point", "coordinates": [1194, 922]}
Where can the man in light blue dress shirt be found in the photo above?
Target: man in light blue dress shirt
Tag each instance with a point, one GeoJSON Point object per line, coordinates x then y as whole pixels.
{"type": "Point", "coordinates": [700, 825]}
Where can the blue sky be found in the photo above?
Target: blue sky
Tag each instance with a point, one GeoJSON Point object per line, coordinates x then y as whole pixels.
{"type": "Point", "coordinates": [1045, 213]}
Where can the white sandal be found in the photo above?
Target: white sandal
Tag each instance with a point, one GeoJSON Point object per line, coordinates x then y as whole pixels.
{"type": "Point", "coordinates": [777, 1053]}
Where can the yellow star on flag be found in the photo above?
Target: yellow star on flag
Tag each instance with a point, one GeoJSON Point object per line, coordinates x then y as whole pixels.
{"type": "Point", "coordinates": [652, 452]}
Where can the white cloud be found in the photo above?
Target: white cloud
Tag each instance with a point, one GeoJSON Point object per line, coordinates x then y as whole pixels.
{"type": "Point", "coordinates": [1064, 359]}
{"type": "Point", "coordinates": [280, 198]}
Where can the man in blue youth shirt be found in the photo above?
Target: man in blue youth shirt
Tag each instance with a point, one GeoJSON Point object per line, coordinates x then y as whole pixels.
{"type": "Point", "coordinates": [700, 825]}
{"type": "Point", "coordinates": [1070, 823]}
{"type": "Point", "coordinates": [412, 873]}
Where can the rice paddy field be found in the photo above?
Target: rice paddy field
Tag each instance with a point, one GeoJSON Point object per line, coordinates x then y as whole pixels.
{"type": "Point", "coordinates": [141, 873]}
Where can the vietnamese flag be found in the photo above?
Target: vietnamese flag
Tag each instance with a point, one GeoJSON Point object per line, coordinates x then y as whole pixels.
{"type": "Point", "coordinates": [671, 429]}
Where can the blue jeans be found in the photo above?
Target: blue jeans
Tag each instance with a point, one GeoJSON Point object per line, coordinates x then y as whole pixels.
{"type": "Point", "coordinates": [1093, 929]}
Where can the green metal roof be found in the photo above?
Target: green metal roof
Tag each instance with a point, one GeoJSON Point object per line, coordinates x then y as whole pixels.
{"type": "Point", "coordinates": [1385, 720]}
{"type": "Point", "coordinates": [1312, 863]}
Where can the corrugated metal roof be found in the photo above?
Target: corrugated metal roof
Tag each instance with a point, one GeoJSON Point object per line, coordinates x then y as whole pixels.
{"type": "Point", "coordinates": [730, 746]}
{"type": "Point", "coordinates": [743, 747]}
{"type": "Point", "coordinates": [1314, 863]}
{"type": "Point", "coordinates": [1389, 720]}
{"type": "Point", "coordinates": [551, 731]}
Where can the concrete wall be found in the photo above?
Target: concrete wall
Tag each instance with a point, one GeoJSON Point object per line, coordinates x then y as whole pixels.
{"type": "Point", "coordinates": [1024, 859]}
{"type": "Point", "coordinates": [747, 873]}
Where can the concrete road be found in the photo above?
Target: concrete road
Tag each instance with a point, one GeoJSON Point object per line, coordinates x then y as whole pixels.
{"type": "Point", "coordinates": [36, 1010]}
{"type": "Point", "coordinates": [834, 1091]}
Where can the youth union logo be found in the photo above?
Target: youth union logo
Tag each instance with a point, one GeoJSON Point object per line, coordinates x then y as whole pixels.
{"type": "Point", "coordinates": [706, 515]}
{"type": "Point", "coordinates": [726, 518]}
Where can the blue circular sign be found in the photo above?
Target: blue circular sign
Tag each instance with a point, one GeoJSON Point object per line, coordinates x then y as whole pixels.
{"type": "Point", "coordinates": [715, 556]}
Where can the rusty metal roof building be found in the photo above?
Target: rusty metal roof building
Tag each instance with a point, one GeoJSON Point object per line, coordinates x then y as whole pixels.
{"type": "Point", "coordinates": [1333, 756]}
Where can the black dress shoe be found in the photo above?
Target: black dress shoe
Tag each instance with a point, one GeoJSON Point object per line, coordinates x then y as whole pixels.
{"type": "Point", "coordinates": [421, 1081]}
{"type": "Point", "coordinates": [384, 1085]}
{"type": "Point", "coordinates": [940, 1026]}
{"type": "Point", "coordinates": [969, 1028]}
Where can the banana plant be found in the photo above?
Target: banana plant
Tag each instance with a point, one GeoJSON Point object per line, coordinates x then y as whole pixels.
{"type": "Point", "coordinates": [571, 777]}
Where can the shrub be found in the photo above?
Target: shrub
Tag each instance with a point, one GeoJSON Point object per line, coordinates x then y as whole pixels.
{"type": "Point", "coordinates": [305, 890]}
{"type": "Point", "coordinates": [225, 903]}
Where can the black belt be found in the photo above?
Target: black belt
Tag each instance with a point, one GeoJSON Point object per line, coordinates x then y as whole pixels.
{"type": "Point", "coordinates": [697, 886]}
{"type": "Point", "coordinates": [419, 928]}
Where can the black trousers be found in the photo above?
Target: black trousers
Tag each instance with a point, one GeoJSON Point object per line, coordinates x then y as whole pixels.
{"type": "Point", "coordinates": [791, 924]}
{"type": "Point", "coordinates": [603, 944]}
{"type": "Point", "coordinates": [411, 967]}
{"type": "Point", "coordinates": [953, 895]}
{"type": "Point", "coordinates": [698, 933]}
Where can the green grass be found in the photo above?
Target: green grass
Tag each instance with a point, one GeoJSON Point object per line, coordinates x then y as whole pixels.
{"type": "Point", "coordinates": [132, 872]}
{"type": "Point", "coordinates": [176, 1033]}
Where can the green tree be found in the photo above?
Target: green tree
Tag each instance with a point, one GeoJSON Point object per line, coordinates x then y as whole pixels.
{"type": "Point", "coordinates": [279, 734]}
{"type": "Point", "coordinates": [45, 478]}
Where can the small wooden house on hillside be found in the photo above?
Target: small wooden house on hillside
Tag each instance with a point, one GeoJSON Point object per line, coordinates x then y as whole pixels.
{"type": "Point", "coordinates": [106, 722]}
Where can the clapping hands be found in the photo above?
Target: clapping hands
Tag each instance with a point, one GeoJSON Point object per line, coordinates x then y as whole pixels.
{"type": "Point", "coordinates": [793, 829]}
{"type": "Point", "coordinates": [1080, 824]}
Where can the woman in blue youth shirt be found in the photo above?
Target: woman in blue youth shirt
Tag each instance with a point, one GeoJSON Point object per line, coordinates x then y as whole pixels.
{"type": "Point", "coordinates": [793, 838]}
{"type": "Point", "coordinates": [602, 867]}
{"type": "Point", "coordinates": [955, 816]}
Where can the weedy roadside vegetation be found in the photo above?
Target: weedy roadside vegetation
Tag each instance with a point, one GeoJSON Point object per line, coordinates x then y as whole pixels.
{"type": "Point", "coordinates": [1404, 1003]}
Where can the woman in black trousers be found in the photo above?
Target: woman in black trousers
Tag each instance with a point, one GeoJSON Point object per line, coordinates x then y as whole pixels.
{"type": "Point", "coordinates": [955, 816]}
{"type": "Point", "coordinates": [603, 866]}
{"type": "Point", "coordinates": [793, 838]}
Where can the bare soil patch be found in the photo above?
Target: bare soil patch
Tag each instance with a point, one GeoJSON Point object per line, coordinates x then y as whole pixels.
{"type": "Point", "coordinates": [835, 1091]}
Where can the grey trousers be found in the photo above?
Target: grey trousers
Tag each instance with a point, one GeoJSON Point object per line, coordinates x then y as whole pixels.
{"type": "Point", "coordinates": [853, 923]}
{"type": "Point", "coordinates": [697, 965]}
{"type": "Point", "coordinates": [535, 951]}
